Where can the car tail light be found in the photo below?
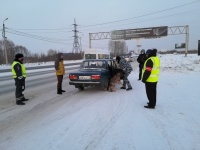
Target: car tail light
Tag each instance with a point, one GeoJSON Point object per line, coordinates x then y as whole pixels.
{"type": "Point", "coordinates": [72, 77]}
{"type": "Point", "coordinates": [96, 77]}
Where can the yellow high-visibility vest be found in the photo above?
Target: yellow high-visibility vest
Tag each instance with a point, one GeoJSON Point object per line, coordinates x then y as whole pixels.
{"type": "Point", "coordinates": [154, 76]}
{"type": "Point", "coordinates": [23, 69]}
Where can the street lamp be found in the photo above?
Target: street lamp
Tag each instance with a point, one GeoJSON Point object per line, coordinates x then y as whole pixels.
{"type": "Point", "coordinates": [4, 41]}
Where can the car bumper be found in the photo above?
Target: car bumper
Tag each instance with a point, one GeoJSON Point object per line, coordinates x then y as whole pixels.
{"type": "Point", "coordinates": [78, 83]}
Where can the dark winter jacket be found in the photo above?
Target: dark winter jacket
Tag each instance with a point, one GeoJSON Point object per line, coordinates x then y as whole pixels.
{"type": "Point", "coordinates": [141, 59]}
{"type": "Point", "coordinates": [149, 64]}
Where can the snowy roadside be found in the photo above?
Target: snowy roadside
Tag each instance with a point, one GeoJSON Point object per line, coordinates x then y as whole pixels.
{"type": "Point", "coordinates": [99, 120]}
{"type": "Point", "coordinates": [180, 63]}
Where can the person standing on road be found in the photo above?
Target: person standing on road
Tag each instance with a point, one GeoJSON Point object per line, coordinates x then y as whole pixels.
{"type": "Point", "coordinates": [127, 68]}
{"type": "Point", "coordinates": [141, 59]}
{"type": "Point", "coordinates": [19, 75]}
{"type": "Point", "coordinates": [60, 71]}
{"type": "Point", "coordinates": [150, 75]}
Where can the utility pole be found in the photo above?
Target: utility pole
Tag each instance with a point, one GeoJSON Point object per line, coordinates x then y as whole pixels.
{"type": "Point", "coordinates": [76, 46]}
{"type": "Point", "coordinates": [80, 44]}
{"type": "Point", "coordinates": [4, 41]}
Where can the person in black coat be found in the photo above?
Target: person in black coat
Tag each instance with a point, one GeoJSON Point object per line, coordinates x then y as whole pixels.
{"type": "Point", "coordinates": [141, 59]}
{"type": "Point", "coordinates": [150, 77]}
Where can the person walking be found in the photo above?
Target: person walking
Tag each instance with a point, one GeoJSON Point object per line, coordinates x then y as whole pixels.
{"type": "Point", "coordinates": [19, 75]}
{"type": "Point", "coordinates": [141, 59]}
{"type": "Point", "coordinates": [60, 71]}
{"type": "Point", "coordinates": [150, 76]}
{"type": "Point", "coordinates": [127, 68]}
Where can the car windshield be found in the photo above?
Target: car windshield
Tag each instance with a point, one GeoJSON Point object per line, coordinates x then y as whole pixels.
{"type": "Point", "coordinates": [95, 64]}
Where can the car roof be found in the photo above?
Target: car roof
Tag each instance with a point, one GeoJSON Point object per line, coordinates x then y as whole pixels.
{"type": "Point", "coordinates": [99, 60]}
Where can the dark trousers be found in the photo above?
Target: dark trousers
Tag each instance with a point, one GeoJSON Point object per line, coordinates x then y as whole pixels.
{"type": "Point", "coordinates": [151, 89]}
{"type": "Point", "coordinates": [140, 70]}
{"type": "Point", "coordinates": [59, 84]}
{"type": "Point", "coordinates": [20, 85]}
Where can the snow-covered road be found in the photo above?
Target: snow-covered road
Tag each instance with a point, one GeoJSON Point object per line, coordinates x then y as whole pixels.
{"type": "Point", "coordinates": [94, 119]}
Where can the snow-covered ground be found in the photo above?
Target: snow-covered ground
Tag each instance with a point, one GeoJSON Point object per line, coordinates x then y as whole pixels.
{"type": "Point", "coordinates": [8, 66]}
{"type": "Point", "coordinates": [99, 120]}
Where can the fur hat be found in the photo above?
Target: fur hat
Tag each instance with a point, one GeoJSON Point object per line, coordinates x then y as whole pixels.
{"type": "Point", "coordinates": [148, 51]}
{"type": "Point", "coordinates": [19, 55]}
{"type": "Point", "coordinates": [118, 58]}
{"type": "Point", "coordinates": [154, 52]}
{"type": "Point", "coordinates": [142, 51]}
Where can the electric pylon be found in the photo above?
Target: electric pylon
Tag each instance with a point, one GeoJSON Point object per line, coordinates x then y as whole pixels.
{"type": "Point", "coordinates": [76, 46]}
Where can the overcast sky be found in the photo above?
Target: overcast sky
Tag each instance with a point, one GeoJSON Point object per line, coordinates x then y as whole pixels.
{"type": "Point", "coordinates": [40, 25]}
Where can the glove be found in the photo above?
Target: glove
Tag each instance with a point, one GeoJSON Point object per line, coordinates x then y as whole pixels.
{"type": "Point", "coordinates": [20, 77]}
{"type": "Point", "coordinates": [143, 81]}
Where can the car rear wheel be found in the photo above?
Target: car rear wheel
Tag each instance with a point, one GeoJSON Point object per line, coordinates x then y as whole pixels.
{"type": "Point", "coordinates": [81, 88]}
{"type": "Point", "coordinates": [105, 86]}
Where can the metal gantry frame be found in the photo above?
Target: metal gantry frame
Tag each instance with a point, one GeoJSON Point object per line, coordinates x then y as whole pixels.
{"type": "Point", "coordinates": [175, 30]}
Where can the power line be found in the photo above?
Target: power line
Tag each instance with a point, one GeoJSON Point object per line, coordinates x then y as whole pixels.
{"type": "Point", "coordinates": [38, 37]}
{"type": "Point", "coordinates": [142, 15]}
{"type": "Point", "coordinates": [162, 17]}
{"type": "Point", "coordinates": [55, 40]}
{"type": "Point", "coordinates": [31, 35]}
{"type": "Point", "coordinates": [82, 26]}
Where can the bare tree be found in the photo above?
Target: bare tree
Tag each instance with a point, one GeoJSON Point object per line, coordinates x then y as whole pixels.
{"type": "Point", "coordinates": [21, 49]}
{"type": "Point", "coordinates": [51, 54]}
{"type": "Point", "coordinates": [117, 47]}
{"type": "Point", "coordinates": [31, 57]}
{"type": "Point", "coordinates": [11, 51]}
{"type": "Point", "coordinates": [10, 48]}
{"type": "Point", "coordinates": [1, 53]}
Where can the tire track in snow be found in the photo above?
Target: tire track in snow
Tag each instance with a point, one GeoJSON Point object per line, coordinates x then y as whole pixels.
{"type": "Point", "coordinates": [158, 124]}
{"type": "Point", "coordinates": [98, 134]}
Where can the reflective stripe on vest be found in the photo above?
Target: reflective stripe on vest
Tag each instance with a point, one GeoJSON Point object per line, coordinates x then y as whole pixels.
{"type": "Point", "coordinates": [155, 70]}
{"type": "Point", "coordinates": [23, 69]}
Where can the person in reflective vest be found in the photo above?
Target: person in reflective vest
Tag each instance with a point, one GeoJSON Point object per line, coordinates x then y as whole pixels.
{"type": "Point", "coordinates": [19, 75]}
{"type": "Point", "coordinates": [60, 71]}
{"type": "Point", "coordinates": [150, 76]}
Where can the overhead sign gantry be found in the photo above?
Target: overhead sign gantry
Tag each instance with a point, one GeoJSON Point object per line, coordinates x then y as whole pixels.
{"type": "Point", "coordinates": [151, 32]}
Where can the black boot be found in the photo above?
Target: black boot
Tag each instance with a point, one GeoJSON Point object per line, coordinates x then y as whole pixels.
{"type": "Point", "coordinates": [59, 91]}
{"type": "Point", "coordinates": [148, 103]}
{"type": "Point", "coordinates": [20, 102]}
{"type": "Point", "coordinates": [129, 88]}
{"type": "Point", "coordinates": [24, 99]}
{"type": "Point", "coordinates": [62, 90]}
{"type": "Point", "coordinates": [149, 107]}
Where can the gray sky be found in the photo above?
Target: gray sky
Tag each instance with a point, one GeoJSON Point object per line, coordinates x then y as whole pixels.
{"type": "Point", "coordinates": [52, 20]}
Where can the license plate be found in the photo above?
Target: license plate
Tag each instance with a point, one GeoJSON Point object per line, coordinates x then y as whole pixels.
{"type": "Point", "coordinates": [84, 77]}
